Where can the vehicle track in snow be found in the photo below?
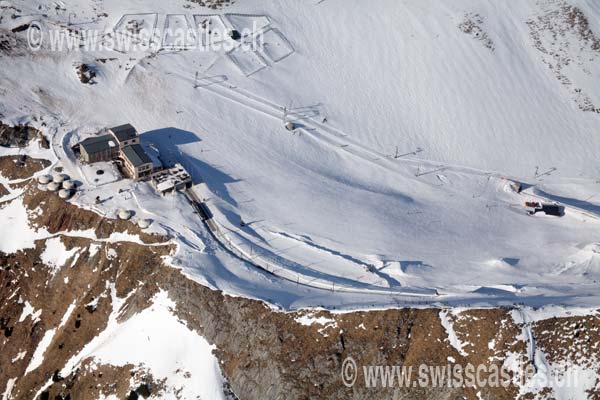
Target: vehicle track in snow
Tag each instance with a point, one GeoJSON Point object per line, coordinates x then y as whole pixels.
{"type": "Point", "coordinates": [326, 133]}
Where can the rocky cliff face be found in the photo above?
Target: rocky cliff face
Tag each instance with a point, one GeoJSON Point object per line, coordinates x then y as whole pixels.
{"type": "Point", "coordinates": [52, 307]}
{"type": "Point", "coordinates": [19, 136]}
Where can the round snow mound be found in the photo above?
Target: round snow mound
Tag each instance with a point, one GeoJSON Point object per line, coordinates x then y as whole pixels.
{"type": "Point", "coordinates": [124, 214]}
{"type": "Point", "coordinates": [65, 193]}
{"type": "Point", "coordinates": [54, 186]}
{"type": "Point", "coordinates": [144, 223]}
{"type": "Point", "coordinates": [69, 185]}
{"type": "Point", "coordinates": [44, 179]}
{"type": "Point", "coordinates": [60, 178]}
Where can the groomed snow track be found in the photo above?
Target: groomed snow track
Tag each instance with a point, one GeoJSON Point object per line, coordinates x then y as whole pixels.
{"type": "Point", "coordinates": [341, 141]}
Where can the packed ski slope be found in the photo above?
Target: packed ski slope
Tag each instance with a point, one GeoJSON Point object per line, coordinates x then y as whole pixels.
{"type": "Point", "coordinates": [412, 118]}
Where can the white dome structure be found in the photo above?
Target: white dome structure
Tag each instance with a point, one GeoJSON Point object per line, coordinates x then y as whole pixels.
{"type": "Point", "coordinates": [44, 179]}
{"type": "Point", "coordinates": [65, 193]}
{"type": "Point", "coordinates": [60, 178]}
{"type": "Point", "coordinates": [53, 186]}
{"type": "Point", "coordinates": [124, 214]}
{"type": "Point", "coordinates": [43, 187]}
{"type": "Point", "coordinates": [144, 223]}
{"type": "Point", "coordinates": [68, 185]}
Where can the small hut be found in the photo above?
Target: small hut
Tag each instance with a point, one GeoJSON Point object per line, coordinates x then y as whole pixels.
{"type": "Point", "coordinates": [69, 185]}
{"type": "Point", "coordinates": [124, 214]}
{"type": "Point", "coordinates": [44, 179]}
{"type": "Point", "coordinates": [60, 178]}
{"type": "Point", "coordinates": [54, 186]}
{"type": "Point", "coordinates": [65, 194]}
{"type": "Point", "coordinates": [144, 223]}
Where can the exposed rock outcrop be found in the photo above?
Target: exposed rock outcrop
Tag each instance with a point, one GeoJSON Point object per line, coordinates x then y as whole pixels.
{"type": "Point", "coordinates": [19, 136]}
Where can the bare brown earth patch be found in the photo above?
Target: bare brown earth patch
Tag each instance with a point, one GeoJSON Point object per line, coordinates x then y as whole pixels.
{"type": "Point", "coordinates": [265, 353]}
{"type": "Point", "coordinates": [86, 73]}
{"type": "Point", "coordinates": [573, 341]}
{"type": "Point", "coordinates": [94, 381]}
{"type": "Point", "coordinates": [472, 25]}
{"type": "Point", "coordinates": [214, 4]}
{"type": "Point", "coordinates": [83, 281]}
{"type": "Point", "coordinates": [20, 184]}
{"type": "Point", "coordinates": [21, 167]}
{"type": "Point", "coordinates": [567, 44]}
{"type": "Point", "coordinates": [68, 217]}
{"type": "Point", "coordinates": [488, 336]}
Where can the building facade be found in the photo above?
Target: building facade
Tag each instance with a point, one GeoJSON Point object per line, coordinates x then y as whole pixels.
{"type": "Point", "coordinates": [136, 162]}
{"type": "Point", "coordinates": [125, 135]}
{"type": "Point", "coordinates": [172, 179]}
{"type": "Point", "coordinates": [101, 148]}
{"type": "Point", "coordinates": [121, 142]}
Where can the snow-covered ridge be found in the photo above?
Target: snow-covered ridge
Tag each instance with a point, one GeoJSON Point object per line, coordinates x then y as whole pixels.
{"type": "Point", "coordinates": [185, 373]}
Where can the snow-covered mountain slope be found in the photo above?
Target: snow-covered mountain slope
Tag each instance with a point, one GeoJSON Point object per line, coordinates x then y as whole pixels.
{"type": "Point", "coordinates": [412, 117]}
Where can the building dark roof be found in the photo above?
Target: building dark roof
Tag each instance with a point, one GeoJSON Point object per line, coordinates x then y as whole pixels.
{"type": "Point", "coordinates": [98, 144]}
{"type": "Point", "coordinates": [124, 132]}
{"type": "Point", "coordinates": [136, 155]}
